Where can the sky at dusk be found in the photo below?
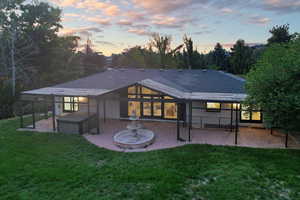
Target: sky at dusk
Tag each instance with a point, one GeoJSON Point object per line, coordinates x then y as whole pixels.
{"type": "Point", "coordinates": [114, 25]}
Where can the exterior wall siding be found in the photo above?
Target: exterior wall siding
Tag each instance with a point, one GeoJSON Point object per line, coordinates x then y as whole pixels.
{"type": "Point", "coordinates": [112, 107]}
{"type": "Point", "coordinates": [202, 118]}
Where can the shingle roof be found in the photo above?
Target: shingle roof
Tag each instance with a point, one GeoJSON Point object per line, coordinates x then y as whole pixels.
{"type": "Point", "coordinates": [207, 81]}
{"type": "Point", "coordinates": [209, 85]}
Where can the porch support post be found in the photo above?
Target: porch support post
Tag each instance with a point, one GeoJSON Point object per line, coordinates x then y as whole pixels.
{"type": "Point", "coordinates": [236, 126]}
{"type": "Point", "coordinates": [21, 117]}
{"type": "Point", "coordinates": [53, 113]}
{"type": "Point", "coordinates": [98, 121]}
{"type": "Point", "coordinates": [104, 110]}
{"type": "Point", "coordinates": [190, 119]}
{"type": "Point", "coordinates": [88, 110]}
{"type": "Point", "coordinates": [231, 116]}
{"type": "Point", "coordinates": [178, 124]}
{"type": "Point", "coordinates": [33, 114]}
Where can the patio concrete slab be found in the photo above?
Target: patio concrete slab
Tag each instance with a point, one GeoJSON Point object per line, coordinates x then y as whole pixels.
{"type": "Point", "coordinates": [165, 136]}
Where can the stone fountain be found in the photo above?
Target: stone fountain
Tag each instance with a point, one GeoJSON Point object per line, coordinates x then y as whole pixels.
{"type": "Point", "coordinates": [135, 136]}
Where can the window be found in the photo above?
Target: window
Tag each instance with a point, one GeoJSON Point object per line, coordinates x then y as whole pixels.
{"type": "Point", "coordinates": [134, 107]}
{"type": "Point", "coordinates": [170, 111]}
{"type": "Point", "coordinates": [146, 103]}
{"type": "Point", "coordinates": [213, 106]}
{"type": "Point", "coordinates": [147, 109]}
{"type": "Point", "coordinates": [250, 115]}
{"type": "Point", "coordinates": [132, 90]}
{"type": "Point", "coordinates": [157, 109]}
{"type": "Point", "coordinates": [70, 104]}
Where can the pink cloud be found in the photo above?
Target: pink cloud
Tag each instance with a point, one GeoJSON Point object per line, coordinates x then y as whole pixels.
{"type": "Point", "coordinates": [86, 31]}
{"type": "Point", "coordinates": [124, 22]}
{"type": "Point", "coordinates": [71, 15]}
{"type": "Point", "coordinates": [135, 15]}
{"type": "Point", "coordinates": [141, 32]}
{"type": "Point", "coordinates": [168, 22]}
{"type": "Point", "coordinates": [106, 8]}
{"type": "Point", "coordinates": [258, 20]}
{"type": "Point", "coordinates": [65, 3]}
{"type": "Point", "coordinates": [282, 5]}
{"type": "Point", "coordinates": [226, 11]}
{"type": "Point", "coordinates": [99, 20]}
{"type": "Point", "coordinates": [159, 6]}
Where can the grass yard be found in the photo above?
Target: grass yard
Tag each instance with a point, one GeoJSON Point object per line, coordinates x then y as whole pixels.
{"type": "Point", "coordinates": [56, 166]}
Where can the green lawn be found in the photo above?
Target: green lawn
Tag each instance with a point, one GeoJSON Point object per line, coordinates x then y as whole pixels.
{"type": "Point", "coordinates": [56, 166]}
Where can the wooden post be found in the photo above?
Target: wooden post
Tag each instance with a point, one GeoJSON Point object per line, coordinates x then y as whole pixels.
{"type": "Point", "coordinates": [98, 118]}
{"type": "Point", "coordinates": [190, 119]}
{"type": "Point", "coordinates": [53, 113]}
{"type": "Point", "coordinates": [33, 115]}
{"type": "Point", "coordinates": [231, 116]}
{"type": "Point", "coordinates": [88, 109]}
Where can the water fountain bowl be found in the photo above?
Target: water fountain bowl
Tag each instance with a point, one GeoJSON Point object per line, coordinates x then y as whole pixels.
{"type": "Point", "coordinates": [127, 139]}
{"type": "Point", "coordinates": [135, 136]}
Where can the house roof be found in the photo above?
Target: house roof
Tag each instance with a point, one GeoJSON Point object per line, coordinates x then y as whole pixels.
{"type": "Point", "coordinates": [186, 84]}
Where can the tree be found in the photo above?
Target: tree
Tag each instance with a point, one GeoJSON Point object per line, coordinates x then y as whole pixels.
{"type": "Point", "coordinates": [17, 48]}
{"type": "Point", "coordinates": [29, 45]}
{"type": "Point", "coordinates": [280, 34]}
{"type": "Point", "coordinates": [274, 84]}
{"type": "Point", "coordinates": [219, 57]}
{"type": "Point", "coordinates": [92, 61]}
{"type": "Point", "coordinates": [241, 58]}
{"type": "Point", "coordinates": [188, 51]}
{"type": "Point", "coordinates": [163, 46]}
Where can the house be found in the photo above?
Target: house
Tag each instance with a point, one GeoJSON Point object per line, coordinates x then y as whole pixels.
{"type": "Point", "coordinates": [197, 98]}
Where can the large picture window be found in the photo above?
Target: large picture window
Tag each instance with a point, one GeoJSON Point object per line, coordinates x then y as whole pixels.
{"type": "Point", "coordinates": [154, 108]}
{"type": "Point", "coordinates": [70, 104]}
{"type": "Point", "coordinates": [250, 115]}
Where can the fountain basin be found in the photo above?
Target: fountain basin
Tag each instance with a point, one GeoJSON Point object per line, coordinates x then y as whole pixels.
{"type": "Point", "coordinates": [126, 139]}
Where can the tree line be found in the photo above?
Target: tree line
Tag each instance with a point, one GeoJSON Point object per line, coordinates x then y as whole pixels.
{"type": "Point", "coordinates": [159, 54]}
{"type": "Point", "coordinates": [34, 55]}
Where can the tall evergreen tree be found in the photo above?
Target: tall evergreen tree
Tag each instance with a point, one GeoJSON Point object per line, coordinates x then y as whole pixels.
{"type": "Point", "coordinates": [241, 58]}
{"type": "Point", "coordinates": [219, 57]}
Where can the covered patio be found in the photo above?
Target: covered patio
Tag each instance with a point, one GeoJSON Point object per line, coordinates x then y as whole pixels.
{"type": "Point", "coordinates": [166, 135]}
